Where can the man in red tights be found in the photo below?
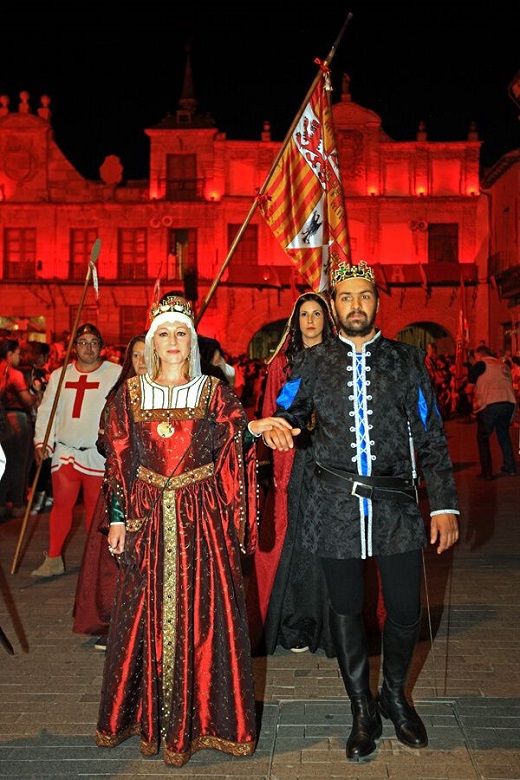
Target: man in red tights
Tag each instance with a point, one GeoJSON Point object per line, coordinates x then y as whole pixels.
{"type": "Point", "coordinates": [76, 463]}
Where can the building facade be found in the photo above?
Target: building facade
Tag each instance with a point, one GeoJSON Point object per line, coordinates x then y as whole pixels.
{"type": "Point", "coordinates": [416, 211]}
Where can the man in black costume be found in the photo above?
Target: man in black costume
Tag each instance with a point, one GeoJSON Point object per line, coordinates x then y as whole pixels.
{"type": "Point", "coordinates": [375, 411]}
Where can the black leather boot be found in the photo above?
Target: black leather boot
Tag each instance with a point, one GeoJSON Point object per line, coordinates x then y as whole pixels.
{"type": "Point", "coordinates": [348, 635]}
{"type": "Point", "coordinates": [399, 643]}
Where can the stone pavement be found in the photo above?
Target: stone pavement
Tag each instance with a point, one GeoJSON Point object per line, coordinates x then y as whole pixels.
{"type": "Point", "coordinates": [466, 684]}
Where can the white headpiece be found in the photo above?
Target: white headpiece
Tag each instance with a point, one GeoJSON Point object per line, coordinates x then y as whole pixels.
{"type": "Point", "coordinates": [171, 310]}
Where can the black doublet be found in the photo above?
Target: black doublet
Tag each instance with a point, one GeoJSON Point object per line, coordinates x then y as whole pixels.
{"type": "Point", "coordinates": [362, 427]}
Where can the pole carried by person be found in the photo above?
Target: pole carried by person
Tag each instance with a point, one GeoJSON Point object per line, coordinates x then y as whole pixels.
{"type": "Point", "coordinates": [91, 274]}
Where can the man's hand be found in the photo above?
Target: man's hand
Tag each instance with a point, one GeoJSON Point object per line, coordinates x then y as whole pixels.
{"type": "Point", "coordinates": [444, 529]}
{"type": "Point", "coordinates": [39, 454]}
{"type": "Point", "coordinates": [265, 424]}
{"type": "Point", "coordinates": [279, 433]}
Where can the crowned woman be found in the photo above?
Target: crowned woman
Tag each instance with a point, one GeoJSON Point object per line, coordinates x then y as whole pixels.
{"type": "Point", "coordinates": [182, 490]}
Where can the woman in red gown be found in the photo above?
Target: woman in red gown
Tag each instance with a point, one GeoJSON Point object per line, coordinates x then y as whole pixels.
{"type": "Point", "coordinates": [178, 669]}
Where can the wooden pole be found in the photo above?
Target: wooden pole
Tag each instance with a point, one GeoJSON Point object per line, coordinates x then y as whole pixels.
{"type": "Point", "coordinates": [278, 157]}
{"type": "Point", "coordinates": [94, 254]}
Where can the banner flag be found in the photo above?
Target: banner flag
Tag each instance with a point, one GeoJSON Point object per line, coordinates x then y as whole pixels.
{"type": "Point", "coordinates": [303, 201]}
{"type": "Point", "coordinates": [157, 289]}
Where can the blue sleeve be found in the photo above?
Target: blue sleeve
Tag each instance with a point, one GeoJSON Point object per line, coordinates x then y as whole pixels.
{"type": "Point", "coordinates": [288, 393]}
{"type": "Point", "coordinates": [295, 399]}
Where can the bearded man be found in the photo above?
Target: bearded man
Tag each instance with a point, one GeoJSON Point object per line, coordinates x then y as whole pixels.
{"type": "Point", "coordinates": [375, 411]}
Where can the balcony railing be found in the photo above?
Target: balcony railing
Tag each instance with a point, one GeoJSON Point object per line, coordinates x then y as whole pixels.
{"type": "Point", "coordinates": [183, 189]}
{"type": "Point", "coordinates": [20, 271]}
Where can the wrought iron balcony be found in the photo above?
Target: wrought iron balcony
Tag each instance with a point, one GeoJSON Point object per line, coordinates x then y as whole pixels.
{"type": "Point", "coordinates": [183, 189]}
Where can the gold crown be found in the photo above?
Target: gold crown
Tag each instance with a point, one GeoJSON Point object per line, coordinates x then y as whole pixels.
{"type": "Point", "coordinates": [171, 304]}
{"type": "Point", "coordinates": [344, 271]}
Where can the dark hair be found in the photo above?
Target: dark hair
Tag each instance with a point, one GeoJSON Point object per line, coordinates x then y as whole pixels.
{"type": "Point", "coordinates": [40, 348]}
{"type": "Point", "coordinates": [207, 349]}
{"type": "Point", "coordinates": [127, 369]}
{"type": "Point", "coordinates": [333, 292]}
{"type": "Point", "coordinates": [8, 345]}
{"type": "Point", "coordinates": [295, 340]}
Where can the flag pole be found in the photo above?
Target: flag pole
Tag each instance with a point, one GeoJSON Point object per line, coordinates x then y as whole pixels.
{"type": "Point", "coordinates": [94, 254]}
{"type": "Point", "coordinates": [277, 159]}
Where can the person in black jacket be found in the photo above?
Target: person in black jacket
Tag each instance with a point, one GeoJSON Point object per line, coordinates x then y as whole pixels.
{"type": "Point", "coordinates": [375, 409]}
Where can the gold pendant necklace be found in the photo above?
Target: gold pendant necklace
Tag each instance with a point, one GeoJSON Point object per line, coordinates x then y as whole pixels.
{"type": "Point", "coordinates": [165, 430]}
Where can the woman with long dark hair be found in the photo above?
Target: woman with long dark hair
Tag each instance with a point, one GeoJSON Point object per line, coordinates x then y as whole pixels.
{"type": "Point", "coordinates": [286, 586]}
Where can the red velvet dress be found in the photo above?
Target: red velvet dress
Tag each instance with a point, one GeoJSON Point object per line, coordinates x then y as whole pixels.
{"type": "Point", "coordinates": [98, 571]}
{"type": "Point", "coordinates": [178, 668]}
{"type": "Point", "coordinates": [96, 580]}
{"type": "Point", "coordinates": [273, 526]}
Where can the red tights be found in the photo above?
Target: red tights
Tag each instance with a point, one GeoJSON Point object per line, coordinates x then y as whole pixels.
{"type": "Point", "coordinates": [66, 484]}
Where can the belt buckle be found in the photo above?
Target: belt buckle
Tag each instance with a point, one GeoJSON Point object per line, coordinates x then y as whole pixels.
{"type": "Point", "coordinates": [368, 490]}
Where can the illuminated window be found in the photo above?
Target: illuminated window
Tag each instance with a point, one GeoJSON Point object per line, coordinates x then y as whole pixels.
{"type": "Point", "coordinates": [181, 177]}
{"type": "Point", "coordinates": [81, 243]}
{"type": "Point", "coordinates": [246, 252]}
{"type": "Point", "coordinates": [132, 254]}
{"type": "Point", "coordinates": [20, 253]}
{"type": "Point", "coordinates": [443, 242]}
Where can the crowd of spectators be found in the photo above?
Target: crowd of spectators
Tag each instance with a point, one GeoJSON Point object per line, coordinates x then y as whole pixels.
{"type": "Point", "coordinates": [246, 375]}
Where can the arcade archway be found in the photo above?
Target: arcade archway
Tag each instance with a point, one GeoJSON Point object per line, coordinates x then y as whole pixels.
{"type": "Point", "coordinates": [420, 334]}
{"type": "Point", "coordinates": [265, 340]}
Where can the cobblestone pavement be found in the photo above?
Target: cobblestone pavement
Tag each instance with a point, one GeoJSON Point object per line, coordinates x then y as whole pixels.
{"type": "Point", "coordinates": [466, 682]}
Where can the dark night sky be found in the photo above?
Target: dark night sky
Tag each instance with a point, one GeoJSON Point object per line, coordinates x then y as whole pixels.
{"type": "Point", "coordinates": [111, 69]}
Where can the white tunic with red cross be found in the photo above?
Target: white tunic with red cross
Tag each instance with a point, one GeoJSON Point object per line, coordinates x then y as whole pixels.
{"type": "Point", "coordinates": [74, 431]}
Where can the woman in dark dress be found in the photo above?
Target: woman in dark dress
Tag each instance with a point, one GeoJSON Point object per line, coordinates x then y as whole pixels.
{"type": "Point", "coordinates": [286, 590]}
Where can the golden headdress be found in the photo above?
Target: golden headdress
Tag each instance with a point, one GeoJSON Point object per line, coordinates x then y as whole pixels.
{"type": "Point", "coordinates": [169, 305]}
{"type": "Point", "coordinates": [344, 271]}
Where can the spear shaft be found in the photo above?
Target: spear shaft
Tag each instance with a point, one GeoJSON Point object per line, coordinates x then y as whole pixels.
{"type": "Point", "coordinates": [94, 254]}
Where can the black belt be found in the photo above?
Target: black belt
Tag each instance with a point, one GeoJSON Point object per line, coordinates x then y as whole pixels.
{"type": "Point", "coordinates": [397, 489]}
{"type": "Point", "coordinates": [79, 449]}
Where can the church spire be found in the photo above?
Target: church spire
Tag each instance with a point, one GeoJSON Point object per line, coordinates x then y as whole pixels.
{"type": "Point", "coordinates": [187, 100]}
{"type": "Point", "coordinates": [187, 116]}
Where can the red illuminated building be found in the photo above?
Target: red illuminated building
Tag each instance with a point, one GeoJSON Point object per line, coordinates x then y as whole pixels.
{"type": "Point", "coordinates": [419, 211]}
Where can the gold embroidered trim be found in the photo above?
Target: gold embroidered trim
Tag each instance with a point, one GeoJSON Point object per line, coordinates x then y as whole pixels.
{"type": "Point", "coordinates": [215, 743]}
{"type": "Point", "coordinates": [168, 483]}
{"type": "Point", "coordinates": [176, 480]}
{"type": "Point", "coordinates": [113, 740]}
{"type": "Point", "coordinates": [149, 748]}
{"type": "Point", "coordinates": [169, 601]}
{"type": "Point", "coordinates": [160, 415]}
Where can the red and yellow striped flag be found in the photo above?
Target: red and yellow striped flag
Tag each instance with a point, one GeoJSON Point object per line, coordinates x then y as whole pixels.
{"type": "Point", "coordinates": [303, 200]}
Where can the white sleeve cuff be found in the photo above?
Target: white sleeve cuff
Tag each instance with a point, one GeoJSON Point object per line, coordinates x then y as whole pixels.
{"type": "Point", "coordinates": [256, 435]}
